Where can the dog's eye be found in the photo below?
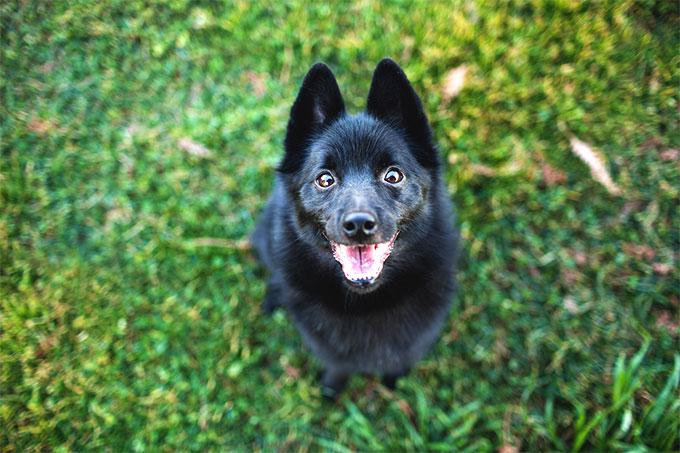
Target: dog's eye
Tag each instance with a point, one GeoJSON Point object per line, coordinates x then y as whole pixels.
{"type": "Point", "coordinates": [325, 180]}
{"type": "Point", "coordinates": [393, 176]}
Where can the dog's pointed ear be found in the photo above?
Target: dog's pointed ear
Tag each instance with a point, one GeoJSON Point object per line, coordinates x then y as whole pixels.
{"type": "Point", "coordinates": [393, 100]}
{"type": "Point", "coordinates": [318, 104]}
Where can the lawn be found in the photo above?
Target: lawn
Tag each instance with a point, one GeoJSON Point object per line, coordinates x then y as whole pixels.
{"type": "Point", "coordinates": [139, 142]}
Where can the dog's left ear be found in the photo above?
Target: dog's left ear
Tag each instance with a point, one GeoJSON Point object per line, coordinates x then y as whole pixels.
{"type": "Point", "coordinates": [393, 100]}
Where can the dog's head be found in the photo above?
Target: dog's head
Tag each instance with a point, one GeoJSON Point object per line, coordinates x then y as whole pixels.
{"type": "Point", "coordinates": [359, 182]}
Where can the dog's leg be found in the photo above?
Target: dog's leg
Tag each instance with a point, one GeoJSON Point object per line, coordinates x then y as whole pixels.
{"type": "Point", "coordinates": [273, 296]}
{"type": "Point", "coordinates": [332, 383]}
{"type": "Point", "coordinates": [271, 299]}
{"type": "Point", "coordinates": [390, 380]}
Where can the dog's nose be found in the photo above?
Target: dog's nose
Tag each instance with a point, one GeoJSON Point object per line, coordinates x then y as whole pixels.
{"type": "Point", "coordinates": [359, 223]}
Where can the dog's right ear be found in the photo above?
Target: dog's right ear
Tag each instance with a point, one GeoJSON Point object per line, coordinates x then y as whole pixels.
{"type": "Point", "coordinates": [318, 104]}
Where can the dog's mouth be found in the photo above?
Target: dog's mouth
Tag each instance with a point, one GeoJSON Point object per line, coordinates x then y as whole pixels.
{"type": "Point", "coordinates": [363, 263]}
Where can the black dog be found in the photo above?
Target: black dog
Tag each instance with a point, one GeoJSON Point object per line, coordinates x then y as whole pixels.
{"type": "Point", "coordinates": [358, 233]}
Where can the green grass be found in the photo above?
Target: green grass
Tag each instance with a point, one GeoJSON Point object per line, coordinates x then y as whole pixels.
{"type": "Point", "coordinates": [121, 327]}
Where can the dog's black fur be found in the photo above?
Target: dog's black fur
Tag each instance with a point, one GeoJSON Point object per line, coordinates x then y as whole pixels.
{"type": "Point", "coordinates": [385, 326]}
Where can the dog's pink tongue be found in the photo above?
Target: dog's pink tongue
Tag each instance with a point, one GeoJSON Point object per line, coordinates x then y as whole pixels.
{"type": "Point", "coordinates": [361, 262]}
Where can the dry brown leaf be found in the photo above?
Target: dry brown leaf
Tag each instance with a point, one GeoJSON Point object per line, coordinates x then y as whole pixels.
{"type": "Point", "coordinates": [670, 154]}
{"type": "Point", "coordinates": [483, 170]}
{"type": "Point", "coordinates": [455, 158]}
{"type": "Point", "coordinates": [662, 268]}
{"type": "Point", "coordinates": [46, 68]}
{"type": "Point", "coordinates": [407, 43]}
{"type": "Point", "coordinates": [256, 82]}
{"type": "Point", "coordinates": [40, 126]}
{"type": "Point", "coordinates": [127, 163]}
{"type": "Point", "coordinates": [579, 257]}
{"type": "Point", "coordinates": [292, 371]}
{"type": "Point", "coordinates": [454, 82]}
{"type": "Point", "coordinates": [405, 407]}
{"type": "Point", "coordinates": [651, 143]}
{"type": "Point", "coordinates": [665, 320]}
{"type": "Point", "coordinates": [570, 305]}
{"type": "Point", "coordinates": [551, 175]}
{"type": "Point", "coordinates": [194, 314]}
{"type": "Point", "coordinates": [117, 215]}
{"type": "Point", "coordinates": [638, 251]}
{"type": "Point", "coordinates": [596, 164]}
{"type": "Point", "coordinates": [194, 148]}
{"type": "Point", "coordinates": [569, 276]}
{"type": "Point", "coordinates": [629, 207]}
{"type": "Point", "coordinates": [500, 349]}
{"type": "Point", "coordinates": [453, 335]}
{"type": "Point", "coordinates": [507, 448]}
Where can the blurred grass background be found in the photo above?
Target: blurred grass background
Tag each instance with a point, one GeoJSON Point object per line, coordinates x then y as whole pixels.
{"type": "Point", "coordinates": [139, 141]}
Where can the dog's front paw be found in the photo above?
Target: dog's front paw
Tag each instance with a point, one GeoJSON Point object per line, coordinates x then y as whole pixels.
{"type": "Point", "coordinates": [390, 380]}
{"type": "Point", "coordinates": [329, 393]}
{"type": "Point", "coordinates": [332, 384]}
{"type": "Point", "coordinates": [272, 299]}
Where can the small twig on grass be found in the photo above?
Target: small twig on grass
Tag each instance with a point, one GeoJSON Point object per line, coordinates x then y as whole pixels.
{"type": "Point", "coordinates": [454, 82]}
{"type": "Point", "coordinates": [234, 244]}
{"type": "Point", "coordinates": [596, 163]}
{"type": "Point", "coordinates": [194, 148]}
